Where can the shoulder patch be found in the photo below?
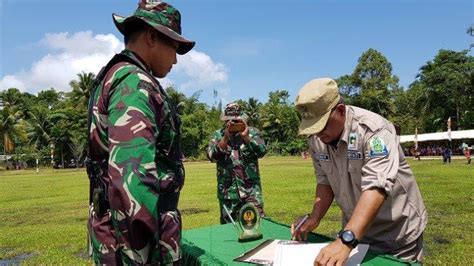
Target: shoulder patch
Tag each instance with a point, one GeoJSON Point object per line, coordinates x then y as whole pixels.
{"type": "Point", "coordinates": [377, 147]}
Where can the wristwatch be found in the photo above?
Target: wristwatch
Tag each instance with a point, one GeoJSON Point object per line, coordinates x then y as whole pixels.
{"type": "Point", "coordinates": [348, 238]}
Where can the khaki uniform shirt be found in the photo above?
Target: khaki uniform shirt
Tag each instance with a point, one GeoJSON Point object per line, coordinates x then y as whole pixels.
{"type": "Point", "coordinates": [368, 155]}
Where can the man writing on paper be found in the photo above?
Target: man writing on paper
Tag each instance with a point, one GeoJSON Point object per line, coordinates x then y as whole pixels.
{"type": "Point", "coordinates": [360, 164]}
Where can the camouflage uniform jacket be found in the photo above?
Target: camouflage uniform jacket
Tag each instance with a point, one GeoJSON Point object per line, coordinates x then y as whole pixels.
{"type": "Point", "coordinates": [238, 174]}
{"type": "Point", "coordinates": [135, 130]}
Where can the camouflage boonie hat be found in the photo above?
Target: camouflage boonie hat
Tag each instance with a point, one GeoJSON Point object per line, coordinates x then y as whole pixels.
{"type": "Point", "coordinates": [162, 17]}
{"type": "Point", "coordinates": [233, 111]}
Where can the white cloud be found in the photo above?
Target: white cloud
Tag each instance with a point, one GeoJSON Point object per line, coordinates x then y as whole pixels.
{"type": "Point", "coordinates": [71, 54]}
{"type": "Point", "coordinates": [11, 82]}
{"type": "Point", "coordinates": [166, 82]}
{"type": "Point", "coordinates": [83, 43]}
{"type": "Point", "coordinates": [201, 69]}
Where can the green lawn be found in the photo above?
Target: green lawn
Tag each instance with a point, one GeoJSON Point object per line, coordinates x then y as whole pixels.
{"type": "Point", "coordinates": [43, 216]}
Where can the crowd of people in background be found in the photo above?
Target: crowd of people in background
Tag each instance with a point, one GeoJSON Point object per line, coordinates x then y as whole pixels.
{"type": "Point", "coordinates": [439, 150]}
{"type": "Point", "coordinates": [431, 150]}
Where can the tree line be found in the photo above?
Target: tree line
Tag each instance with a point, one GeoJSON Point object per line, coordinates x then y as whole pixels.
{"type": "Point", "coordinates": [55, 122]}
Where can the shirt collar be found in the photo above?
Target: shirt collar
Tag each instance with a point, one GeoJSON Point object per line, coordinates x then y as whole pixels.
{"type": "Point", "coordinates": [135, 57]}
{"type": "Point", "coordinates": [347, 125]}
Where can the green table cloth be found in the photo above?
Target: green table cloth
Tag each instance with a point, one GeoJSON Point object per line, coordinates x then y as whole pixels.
{"type": "Point", "coordinates": [218, 245]}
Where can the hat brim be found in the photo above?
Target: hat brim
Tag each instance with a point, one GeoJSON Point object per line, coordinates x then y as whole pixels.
{"type": "Point", "coordinates": [184, 45]}
{"type": "Point", "coordinates": [311, 126]}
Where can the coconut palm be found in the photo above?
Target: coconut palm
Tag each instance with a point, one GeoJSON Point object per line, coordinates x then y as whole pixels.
{"type": "Point", "coordinates": [82, 88]}
{"type": "Point", "coordinates": [77, 145]}
{"type": "Point", "coordinates": [39, 127]}
{"type": "Point", "coordinates": [11, 127]}
{"type": "Point", "coordinates": [253, 112]}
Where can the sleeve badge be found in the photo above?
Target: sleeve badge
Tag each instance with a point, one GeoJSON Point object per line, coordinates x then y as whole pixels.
{"type": "Point", "coordinates": [377, 147]}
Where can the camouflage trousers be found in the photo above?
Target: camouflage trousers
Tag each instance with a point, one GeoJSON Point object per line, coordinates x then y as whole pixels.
{"type": "Point", "coordinates": [120, 241]}
{"type": "Point", "coordinates": [234, 206]}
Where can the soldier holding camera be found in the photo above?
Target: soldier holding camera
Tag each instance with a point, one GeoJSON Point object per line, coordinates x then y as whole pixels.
{"type": "Point", "coordinates": [235, 149]}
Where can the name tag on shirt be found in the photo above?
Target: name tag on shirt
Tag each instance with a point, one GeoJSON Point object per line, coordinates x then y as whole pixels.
{"type": "Point", "coordinates": [354, 155]}
{"type": "Point", "coordinates": [321, 156]}
{"type": "Point", "coordinates": [352, 141]}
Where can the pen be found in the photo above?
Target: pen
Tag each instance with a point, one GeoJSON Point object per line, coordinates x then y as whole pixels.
{"type": "Point", "coordinates": [301, 222]}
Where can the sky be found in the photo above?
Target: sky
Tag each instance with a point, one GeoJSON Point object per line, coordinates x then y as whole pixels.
{"type": "Point", "coordinates": [244, 48]}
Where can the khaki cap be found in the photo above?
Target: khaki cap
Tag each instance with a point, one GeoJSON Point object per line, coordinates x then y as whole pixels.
{"type": "Point", "coordinates": [314, 102]}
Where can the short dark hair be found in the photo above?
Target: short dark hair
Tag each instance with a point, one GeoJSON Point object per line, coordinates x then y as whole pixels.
{"type": "Point", "coordinates": [136, 27]}
{"type": "Point", "coordinates": [133, 29]}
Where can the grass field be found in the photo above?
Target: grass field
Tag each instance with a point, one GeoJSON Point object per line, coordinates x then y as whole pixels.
{"type": "Point", "coordinates": [43, 216]}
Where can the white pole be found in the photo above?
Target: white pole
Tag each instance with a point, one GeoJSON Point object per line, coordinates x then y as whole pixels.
{"type": "Point", "coordinates": [37, 167]}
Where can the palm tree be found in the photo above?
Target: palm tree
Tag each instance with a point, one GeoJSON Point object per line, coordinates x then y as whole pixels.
{"type": "Point", "coordinates": [11, 127]}
{"type": "Point", "coordinates": [77, 145]}
{"type": "Point", "coordinates": [11, 98]}
{"type": "Point", "coordinates": [253, 112]}
{"type": "Point", "coordinates": [39, 128]}
{"type": "Point", "coordinates": [82, 88]}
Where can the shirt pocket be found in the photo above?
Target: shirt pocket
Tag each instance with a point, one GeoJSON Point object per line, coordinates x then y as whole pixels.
{"type": "Point", "coordinates": [327, 167]}
{"type": "Point", "coordinates": [329, 177]}
{"type": "Point", "coordinates": [355, 172]}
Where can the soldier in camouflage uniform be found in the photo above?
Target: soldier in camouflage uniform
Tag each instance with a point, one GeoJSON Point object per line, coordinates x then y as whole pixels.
{"type": "Point", "coordinates": [236, 155]}
{"type": "Point", "coordinates": [134, 156]}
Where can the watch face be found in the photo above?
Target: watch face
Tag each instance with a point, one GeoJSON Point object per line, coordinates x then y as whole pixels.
{"type": "Point", "coordinates": [347, 236]}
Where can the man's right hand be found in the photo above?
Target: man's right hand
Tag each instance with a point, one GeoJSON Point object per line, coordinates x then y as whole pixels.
{"type": "Point", "coordinates": [302, 233]}
{"type": "Point", "coordinates": [223, 142]}
{"type": "Point", "coordinates": [226, 130]}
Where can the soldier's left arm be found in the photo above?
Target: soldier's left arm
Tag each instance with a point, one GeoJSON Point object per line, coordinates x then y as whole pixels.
{"type": "Point", "coordinates": [135, 113]}
{"type": "Point", "coordinates": [256, 146]}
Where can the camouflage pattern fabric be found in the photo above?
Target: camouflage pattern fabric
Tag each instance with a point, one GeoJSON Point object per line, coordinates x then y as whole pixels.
{"type": "Point", "coordinates": [135, 130]}
{"type": "Point", "coordinates": [238, 176]}
{"type": "Point", "coordinates": [233, 111]}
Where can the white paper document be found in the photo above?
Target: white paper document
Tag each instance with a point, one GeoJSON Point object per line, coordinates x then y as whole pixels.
{"type": "Point", "coordinates": [289, 253]}
{"type": "Point", "coordinates": [263, 254]}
